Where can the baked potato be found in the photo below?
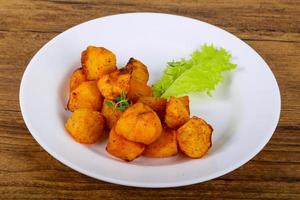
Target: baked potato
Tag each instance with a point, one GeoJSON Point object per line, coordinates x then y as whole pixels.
{"type": "Point", "coordinates": [111, 85]}
{"type": "Point", "coordinates": [138, 89]}
{"type": "Point", "coordinates": [122, 148]}
{"type": "Point", "coordinates": [139, 123]}
{"type": "Point", "coordinates": [110, 113]}
{"type": "Point", "coordinates": [194, 137]}
{"type": "Point", "coordinates": [97, 61]}
{"type": "Point", "coordinates": [164, 146]}
{"type": "Point", "coordinates": [86, 95]}
{"type": "Point", "coordinates": [156, 103]}
{"type": "Point", "coordinates": [85, 126]}
{"type": "Point", "coordinates": [177, 111]}
{"type": "Point", "coordinates": [129, 111]}
{"type": "Point", "coordinates": [137, 70]}
{"type": "Point", "coordinates": [77, 77]}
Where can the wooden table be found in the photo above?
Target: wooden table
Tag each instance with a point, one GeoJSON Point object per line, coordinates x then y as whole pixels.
{"type": "Point", "coordinates": [271, 27]}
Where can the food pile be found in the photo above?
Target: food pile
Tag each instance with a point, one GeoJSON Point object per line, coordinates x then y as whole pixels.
{"type": "Point", "coordinates": [103, 97]}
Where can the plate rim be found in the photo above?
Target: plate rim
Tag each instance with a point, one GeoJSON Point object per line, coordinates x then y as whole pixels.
{"type": "Point", "coordinates": [196, 180]}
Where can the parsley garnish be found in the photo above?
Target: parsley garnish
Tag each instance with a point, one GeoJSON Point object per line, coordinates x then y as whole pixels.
{"type": "Point", "coordinates": [121, 102]}
{"type": "Point", "coordinates": [109, 103]}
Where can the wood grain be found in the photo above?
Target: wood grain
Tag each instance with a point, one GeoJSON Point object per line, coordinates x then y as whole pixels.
{"type": "Point", "coordinates": [272, 28]}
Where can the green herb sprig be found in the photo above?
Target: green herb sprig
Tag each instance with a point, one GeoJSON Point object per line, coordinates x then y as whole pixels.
{"type": "Point", "coordinates": [121, 102]}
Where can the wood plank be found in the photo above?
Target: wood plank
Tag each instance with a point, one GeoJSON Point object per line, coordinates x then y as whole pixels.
{"type": "Point", "coordinates": [212, 189]}
{"type": "Point", "coordinates": [249, 19]}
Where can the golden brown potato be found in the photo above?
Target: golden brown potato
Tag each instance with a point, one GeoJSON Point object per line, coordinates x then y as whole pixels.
{"type": "Point", "coordinates": [111, 85]}
{"type": "Point", "coordinates": [124, 149]}
{"type": "Point", "coordinates": [110, 113]}
{"type": "Point", "coordinates": [194, 137]}
{"type": "Point", "coordinates": [139, 123]}
{"type": "Point", "coordinates": [137, 70]}
{"type": "Point", "coordinates": [77, 78]}
{"type": "Point", "coordinates": [156, 103]}
{"type": "Point", "coordinates": [97, 61]}
{"type": "Point", "coordinates": [177, 111]}
{"type": "Point", "coordinates": [164, 146]}
{"type": "Point", "coordinates": [138, 89]}
{"type": "Point", "coordinates": [85, 126]}
{"type": "Point", "coordinates": [86, 95]}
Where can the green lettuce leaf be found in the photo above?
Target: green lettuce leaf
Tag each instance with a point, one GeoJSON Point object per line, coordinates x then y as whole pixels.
{"type": "Point", "coordinates": [201, 73]}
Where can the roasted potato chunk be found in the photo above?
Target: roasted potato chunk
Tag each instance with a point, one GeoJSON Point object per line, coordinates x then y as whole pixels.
{"type": "Point", "coordinates": [137, 70]}
{"type": "Point", "coordinates": [156, 103]}
{"type": "Point", "coordinates": [86, 95]}
{"type": "Point", "coordinates": [164, 146]}
{"type": "Point", "coordinates": [110, 113]}
{"type": "Point", "coordinates": [97, 61]}
{"type": "Point", "coordinates": [111, 85]}
{"type": "Point", "coordinates": [85, 126]}
{"type": "Point", "coordinates": [177, 111]}
{"type": "Point", "coordinates": [194, 137]}
{"type": "Point", "coordinates": [138, 89]}
{"type": "Point", "coordinates": [139, 123]}
{"type": "Point", "coordinates": [122, 148]}
{"type": "Point", "coordinates": [77, 77]}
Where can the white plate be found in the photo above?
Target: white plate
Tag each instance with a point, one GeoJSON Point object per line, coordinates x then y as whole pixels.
{"type": "Point", "coordinates": [243, 111]}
